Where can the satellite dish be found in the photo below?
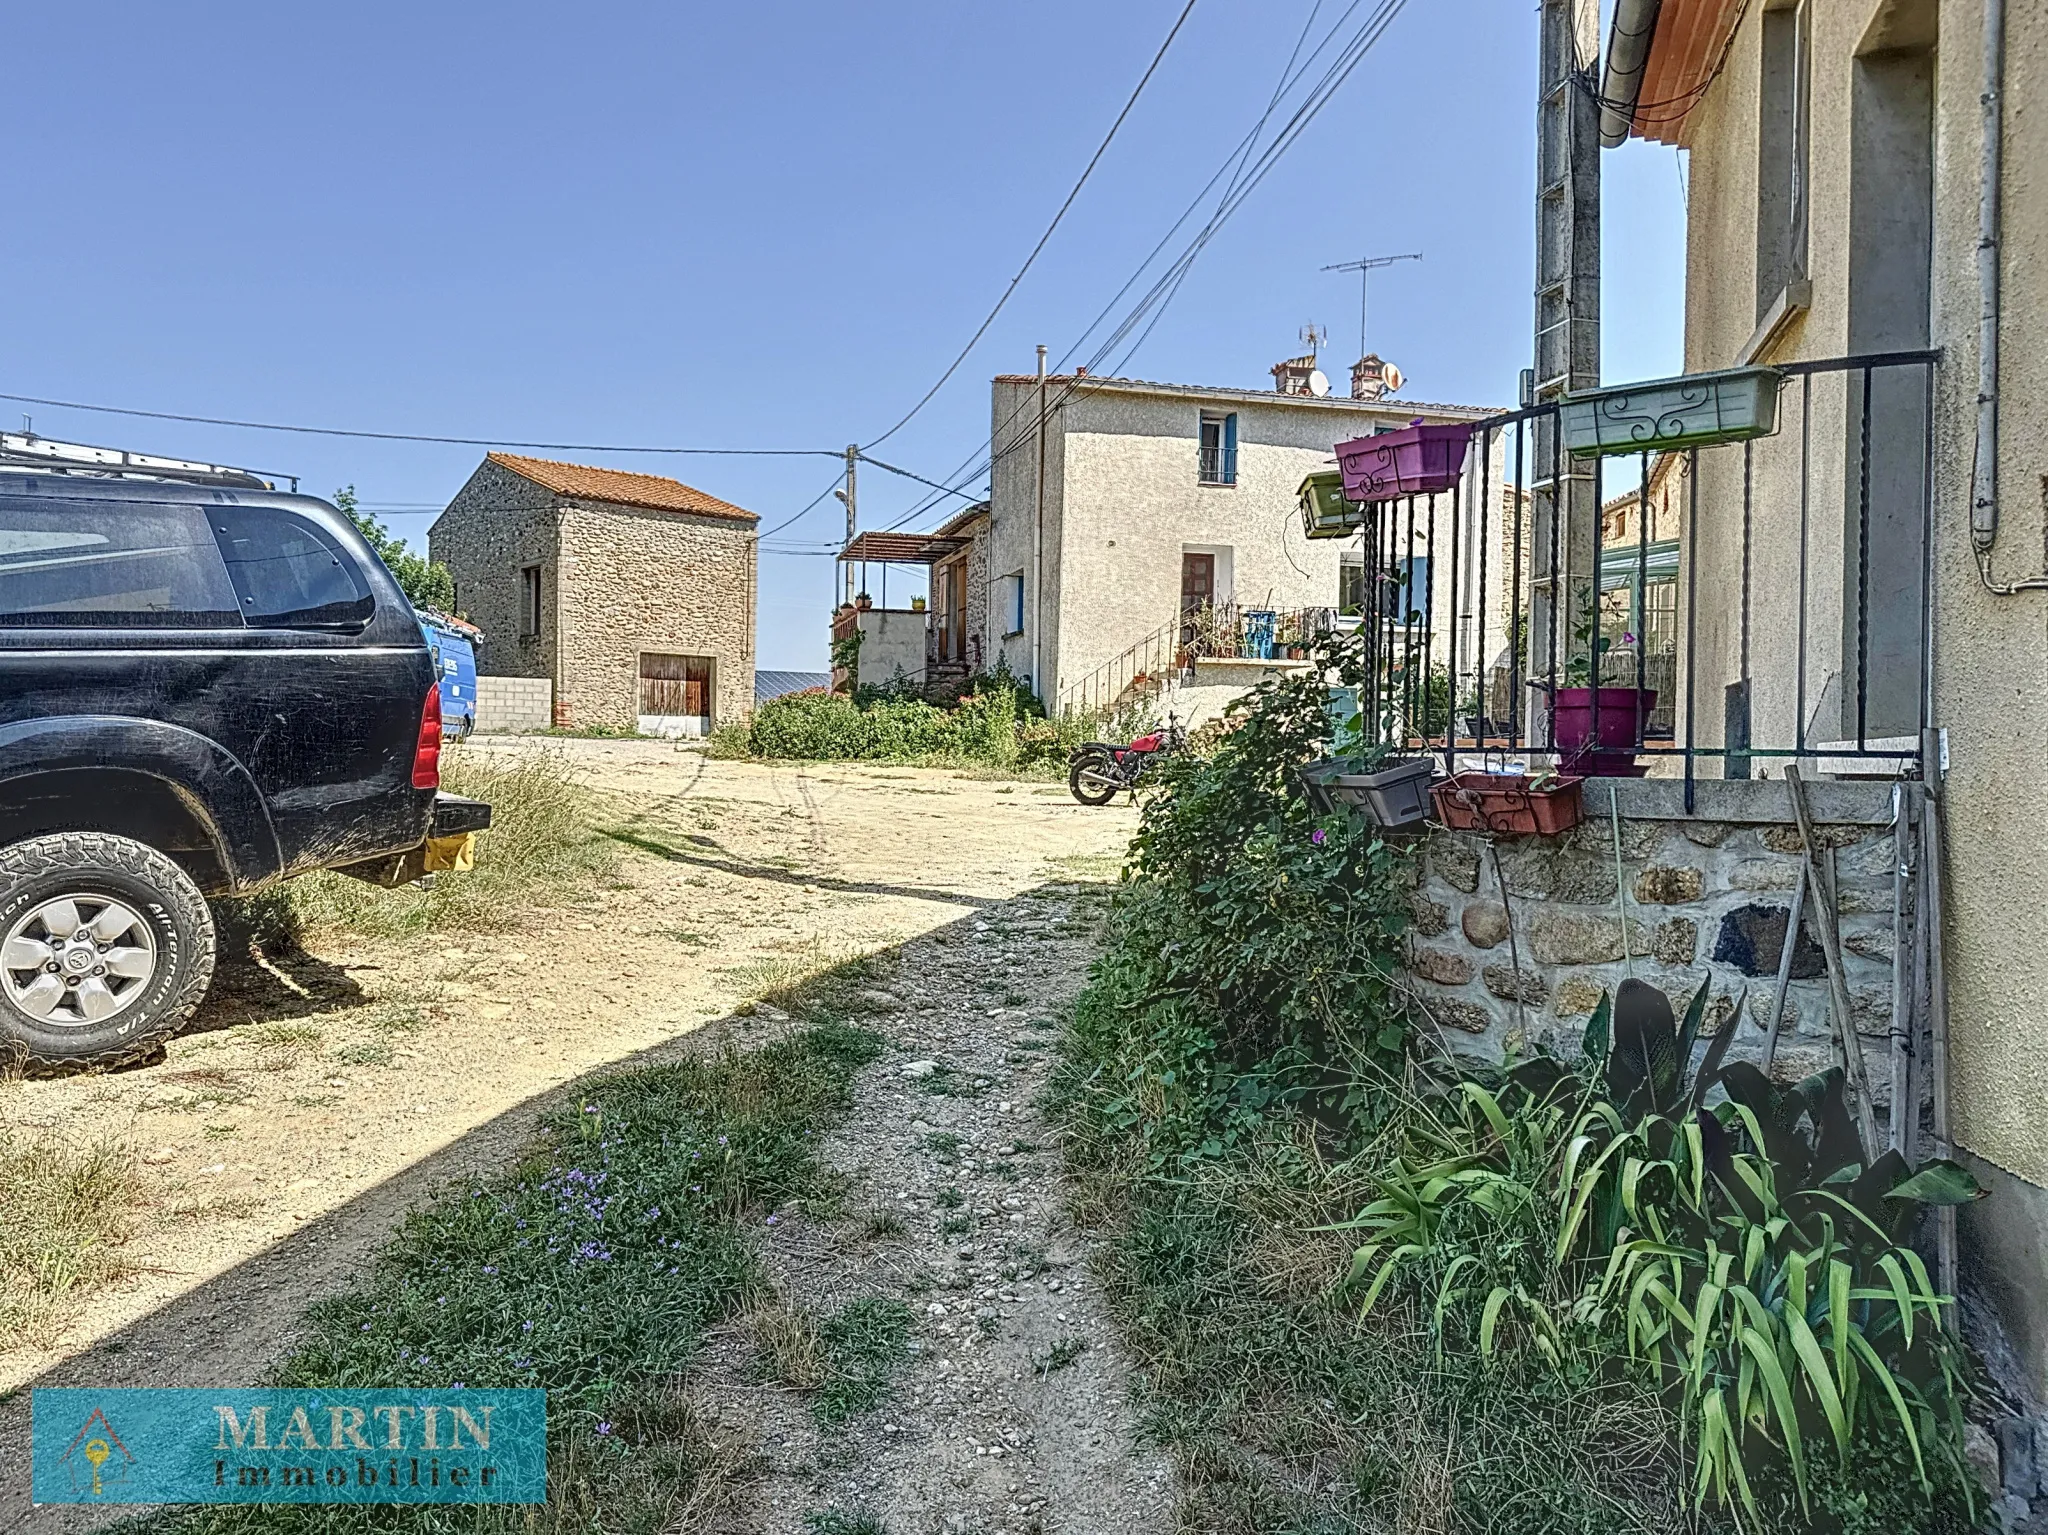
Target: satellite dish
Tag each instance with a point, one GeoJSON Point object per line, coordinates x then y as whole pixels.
{"type": "Point", "coordinates": [1392, 375]}
{"type": "Point", "coordinates": [1318, 382]}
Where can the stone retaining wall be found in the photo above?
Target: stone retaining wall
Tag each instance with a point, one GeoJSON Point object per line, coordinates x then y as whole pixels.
{"type": "Point", "coordinates": [1706, 896]}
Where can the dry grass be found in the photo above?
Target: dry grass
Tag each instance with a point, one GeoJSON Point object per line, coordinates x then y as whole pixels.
{"type": "Point", "coordinates": [65, 1212]}
{"type": "Point", "coordinates": [785, 1340]}
{"type": "Point", "coordinates": [781, 977]}
{"type": "Point", "coordinates": [543, 848]}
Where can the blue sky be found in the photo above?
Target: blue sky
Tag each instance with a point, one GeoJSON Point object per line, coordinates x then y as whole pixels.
{"type": "Point", "coordinates": [763, 226]}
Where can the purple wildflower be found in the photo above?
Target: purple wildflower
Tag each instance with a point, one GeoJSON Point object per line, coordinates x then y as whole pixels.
{"type": "Point", "coordinates": [604, 1428]}
{"type": "Point", "coordinates": [1319, 836]}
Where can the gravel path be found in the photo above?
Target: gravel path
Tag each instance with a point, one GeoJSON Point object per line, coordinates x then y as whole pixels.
{"type": "Point", "coordinates": [1009, 1414]}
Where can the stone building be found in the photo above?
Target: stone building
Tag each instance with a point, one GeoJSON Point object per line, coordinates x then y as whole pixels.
{"type": "Point", "coordinates": [1844, 170]}
{"type": "Point", "coordinates": [633, 594]}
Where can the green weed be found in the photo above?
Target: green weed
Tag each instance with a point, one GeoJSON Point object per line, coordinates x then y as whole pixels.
{"type": "Point", "coordinates": [862, 1345]}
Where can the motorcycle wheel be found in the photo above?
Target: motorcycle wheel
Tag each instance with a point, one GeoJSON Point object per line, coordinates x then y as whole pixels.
{"type": "Point", "coordinates": [1094, 779]}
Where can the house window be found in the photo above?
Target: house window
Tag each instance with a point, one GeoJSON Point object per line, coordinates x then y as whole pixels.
{"type": "Point", "coordinates": [1218, 457]}
{"type": "Point", "coordinates": [1782, 152]}
{"type": "Point", "coordinates": [1010, 598]}
{"type": "Point", "coordinates": [529, 601]}
{"type": "Point", "coordinates": [1410, 592]}
{"type": "Point", "coordinates": [1351, 584]}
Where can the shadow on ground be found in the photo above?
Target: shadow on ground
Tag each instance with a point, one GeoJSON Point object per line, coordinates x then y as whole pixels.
{"type": "Point", "coordinates": [233, 1329]}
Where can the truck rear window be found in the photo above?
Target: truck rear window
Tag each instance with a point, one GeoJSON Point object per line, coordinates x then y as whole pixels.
{"type": "Point", "coordinates": [289, 574]}
{"type": "Point", "coordinates": [77, 564]}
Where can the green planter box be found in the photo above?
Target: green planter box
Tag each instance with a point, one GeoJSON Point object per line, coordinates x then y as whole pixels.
{"type": "Point", "coordinates": [1324, 511]}
{"type": "Point", "coordinates": [1691, 412]}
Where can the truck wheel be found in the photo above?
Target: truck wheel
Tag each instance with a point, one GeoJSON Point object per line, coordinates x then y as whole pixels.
{"type": "Point", "coordinates": [106, 947]}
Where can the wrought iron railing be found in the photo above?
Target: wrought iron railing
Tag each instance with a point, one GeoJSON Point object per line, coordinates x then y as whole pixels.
{"type": "Point", "coordinates": [1799, 625]}
{"type": "Point", "coordinates": [1141, 670]}
{"type": "Point", "coordinates": [1217, 466]}
{"type": "Point", "coordinates": [1166, 658]}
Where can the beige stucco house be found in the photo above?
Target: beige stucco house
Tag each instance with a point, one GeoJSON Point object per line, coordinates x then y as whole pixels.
{"type": "Point", "coordinates": [633, 594]}
{"type": "Point", "coordinates": [1839, 192]}
{"type": "Point", "coordinates": [1157, 499]}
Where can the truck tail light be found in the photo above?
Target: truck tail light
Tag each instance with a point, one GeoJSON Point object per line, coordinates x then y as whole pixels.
{"type": "Point", "coordinates": [426, 756]}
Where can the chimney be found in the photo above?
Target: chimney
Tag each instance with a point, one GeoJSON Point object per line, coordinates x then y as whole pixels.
{"type": "Point", "coordinates": [1292, 376]}
{"type": "Point", "coordinates": [1299, 375]}
{"type": "Point", "coordinates": [1373, 377]}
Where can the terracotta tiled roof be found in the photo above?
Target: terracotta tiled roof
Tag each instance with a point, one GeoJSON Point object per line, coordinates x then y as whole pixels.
{"type": "Point", "coordinates": [621, 486]}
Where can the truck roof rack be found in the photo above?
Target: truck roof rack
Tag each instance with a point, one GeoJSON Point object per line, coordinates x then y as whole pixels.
{"type": "Point", "coordinates": [26, 450]}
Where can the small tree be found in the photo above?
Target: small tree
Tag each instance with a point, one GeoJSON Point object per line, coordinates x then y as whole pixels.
{"type": "Point", "coordinates": [426, 583]}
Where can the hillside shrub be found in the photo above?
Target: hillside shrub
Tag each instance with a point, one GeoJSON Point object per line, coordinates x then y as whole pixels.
{"type": "Point", "coordinates": [827, 727]}
{"type": "Point", "coordinates": [1253, 948]}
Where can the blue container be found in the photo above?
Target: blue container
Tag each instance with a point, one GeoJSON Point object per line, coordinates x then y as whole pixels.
{"type": "Point", "coordinates": [454, 655]}
{"type": "Point", "coordinates": [1258, 633]}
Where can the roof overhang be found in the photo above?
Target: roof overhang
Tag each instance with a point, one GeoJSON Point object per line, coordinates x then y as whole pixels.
{"type": "Point", "coordinates": [900, 548]}
{"type": "Point", "coordinates": [1662, 55]}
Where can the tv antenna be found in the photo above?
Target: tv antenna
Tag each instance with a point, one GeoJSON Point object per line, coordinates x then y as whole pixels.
{"type": "Point", "coordinates": [1365, 266]}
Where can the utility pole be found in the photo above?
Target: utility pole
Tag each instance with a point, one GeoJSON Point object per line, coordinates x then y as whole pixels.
{"type": "Point", "coordinates": [1038, 545]}
{"type": "Point", "coordinates": [1364, 267]}
{"type": "Point", "coordinates": [1564, 492]}
{"type": "Point", "coordinates": [847, 495]}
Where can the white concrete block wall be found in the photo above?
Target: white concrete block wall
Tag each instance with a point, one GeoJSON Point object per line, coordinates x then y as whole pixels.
{"type": "Point", "coordinates": [507, 704]}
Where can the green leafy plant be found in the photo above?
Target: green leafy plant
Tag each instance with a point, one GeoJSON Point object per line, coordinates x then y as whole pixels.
{"type": "Point", "coordinates": [426, 583]}
{"type": "Point", "coordinates": [1253, 948]}
{"type": "Point", "coordinates": [1744, 1256]}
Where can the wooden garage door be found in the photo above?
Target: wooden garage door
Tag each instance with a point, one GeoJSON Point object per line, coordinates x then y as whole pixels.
{"type": "Point", "coordinates": [675, 684]}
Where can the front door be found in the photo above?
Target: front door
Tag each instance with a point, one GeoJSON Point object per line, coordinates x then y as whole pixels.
{"type": "Point", "coordinates": [1197, 581]}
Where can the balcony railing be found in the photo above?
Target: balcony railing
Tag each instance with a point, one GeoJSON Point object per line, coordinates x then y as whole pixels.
{"type": "Point", "coordinates": [1798, 629]}
{"type": "Point", "coordinates": [1217, 466]}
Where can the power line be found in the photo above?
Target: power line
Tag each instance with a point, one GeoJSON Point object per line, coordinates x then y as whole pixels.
{"type": "Point", "coordinates": [935, 485]}
{"type": "Point", "coordinates": [1242, 184]}
{"type": "Point", "coordinates": [460, 442]}
{"type": "Point", "coordinates": [1088, 170]}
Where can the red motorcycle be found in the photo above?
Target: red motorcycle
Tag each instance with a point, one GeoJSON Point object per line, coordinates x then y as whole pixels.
{"type": "Point", "coordinates": [1099, 770]}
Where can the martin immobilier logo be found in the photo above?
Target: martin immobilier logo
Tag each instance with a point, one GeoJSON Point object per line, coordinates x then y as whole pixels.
{"type": "Point", "coordinates": [289, 1445]}
{"type": "Point", "coordinates": [96, 1458]}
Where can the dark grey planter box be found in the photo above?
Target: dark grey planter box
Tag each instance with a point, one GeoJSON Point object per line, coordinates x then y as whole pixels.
{"type": "Point", "coordinates": [1395, 796]}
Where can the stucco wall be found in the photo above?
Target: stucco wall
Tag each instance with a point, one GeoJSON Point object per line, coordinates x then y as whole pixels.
{"type": "Point", "coordinates": [1991, 653]}
{"type": "Point", "coordinates": [1124, 502]}
{"type": "Point", "coordinates": [1990, 664]}
{"type": "Point", "coordinates": [892, 640]}
{"type": "Point", "coordinates": [498, 523]}
{"type": "Point", "coordinates": [667, 583]}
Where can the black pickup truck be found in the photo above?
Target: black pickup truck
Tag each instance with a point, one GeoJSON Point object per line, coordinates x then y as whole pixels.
{"type": "Point", "coordinates": [204, 689]}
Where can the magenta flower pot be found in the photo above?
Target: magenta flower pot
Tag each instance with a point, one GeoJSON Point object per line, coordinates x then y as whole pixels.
{"type": "Point", "coordinates": [1414, 461]}
{"type": "Point", "coordinates": [1624, 717]}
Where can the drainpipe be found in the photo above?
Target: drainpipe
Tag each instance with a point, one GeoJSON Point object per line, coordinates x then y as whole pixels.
{"type": "Point", "coordinates": [1984, 469]}
{"type": "Point", "coordinates": [1038, 545]}
{"type": "Point", "coordinates": [1628, 55]}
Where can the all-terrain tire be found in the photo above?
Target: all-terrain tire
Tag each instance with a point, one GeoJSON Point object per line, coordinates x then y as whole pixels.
{"type": "Point", "coordinates": [1093, 778]}
{"type": "Point", "coordinates": [161, 895]}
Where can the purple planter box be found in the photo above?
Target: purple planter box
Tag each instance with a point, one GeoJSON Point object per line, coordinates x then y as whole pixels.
{"type": "Point", "coordinates": [1414, 461]}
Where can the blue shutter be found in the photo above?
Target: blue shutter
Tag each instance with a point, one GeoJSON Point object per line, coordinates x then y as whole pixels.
{"type": "Point", "coordinates": [1229, 475]}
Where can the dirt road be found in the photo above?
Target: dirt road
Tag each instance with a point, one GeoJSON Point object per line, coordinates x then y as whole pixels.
{"type": "Point", "coordinates": [321, 1094]}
